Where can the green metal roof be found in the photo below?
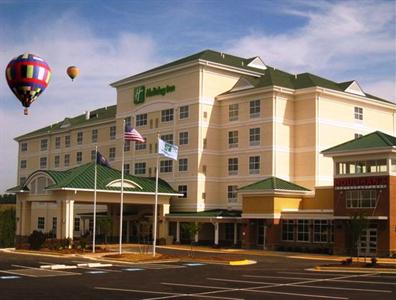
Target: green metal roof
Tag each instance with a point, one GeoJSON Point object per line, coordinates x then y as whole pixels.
{"type": "Point", "coordinates": [273, 183]}
{"type": "Point", "coordinates": [104, 113]}
{"type": "Point", "coordinates": [83, 177]}
{"type": "Point", "coordinates": [214, 213]}
{"type": "Point", "coordinates": [374, 140]}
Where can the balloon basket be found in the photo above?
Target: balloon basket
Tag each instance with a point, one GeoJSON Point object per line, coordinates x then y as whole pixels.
{"type": "Point", "coordinates": [25, 111]}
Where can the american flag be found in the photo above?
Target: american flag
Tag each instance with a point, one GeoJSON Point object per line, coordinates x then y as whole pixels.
{"type": "Point", "coordinates": [131, 134]}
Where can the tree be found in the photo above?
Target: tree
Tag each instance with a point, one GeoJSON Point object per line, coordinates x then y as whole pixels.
{"type": "Point", "coordinates": [191, 229]}
{"type": "Point", "coordinates": [357, 224]}
{"type": "Point", "coordinates": [7, 228]}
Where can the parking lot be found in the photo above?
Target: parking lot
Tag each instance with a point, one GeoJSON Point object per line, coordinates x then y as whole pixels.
{"type": "Point", "coordinates": [31, 277]}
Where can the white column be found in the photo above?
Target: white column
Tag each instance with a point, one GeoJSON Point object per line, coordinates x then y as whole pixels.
{"type": "Point", "coordinates": [216, 233]}
{"type": "Point", "coordinates": [178, 232]}
{"type": "Point", "coordinates": [69, 218]}
{"type": "Point", "coordinates": [59, 219]}
{"type": "Point", "coordinates": [235, 233]}
{"type": "Point", "coordinates": [196, 237]}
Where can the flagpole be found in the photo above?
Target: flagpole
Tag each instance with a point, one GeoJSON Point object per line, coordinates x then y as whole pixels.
{"type": "Point", "coordinates": [156, 200]}
{"type": "Point", "coordinates": [94, 214]}
{"type": "Point", "coordinates": [122, 186]}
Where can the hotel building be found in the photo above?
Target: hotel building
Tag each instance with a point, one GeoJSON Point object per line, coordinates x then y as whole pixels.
{"type": "Point", "coordinates": [250, 138]}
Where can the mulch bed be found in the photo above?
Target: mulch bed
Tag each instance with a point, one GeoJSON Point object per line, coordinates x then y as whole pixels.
{"type": "Point", "coordinates": [362, 265]}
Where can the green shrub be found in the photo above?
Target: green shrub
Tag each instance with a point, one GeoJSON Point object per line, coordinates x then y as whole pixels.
{"type": "Point", "coordinates": [36, 240]}
{"type": "Point", "coordinates": [7, 228]}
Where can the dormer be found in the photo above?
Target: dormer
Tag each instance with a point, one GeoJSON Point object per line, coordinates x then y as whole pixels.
{"type": "Point", "coordinates": [242, 84]}
{"type": "Point", "coordinates": [354, 88]}
{"type": "Point", "coordinates": [256, 62]}
{"type": "Point", "coordinates": [66, 123]}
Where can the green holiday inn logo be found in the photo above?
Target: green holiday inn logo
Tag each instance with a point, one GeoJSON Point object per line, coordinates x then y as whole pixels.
{"type": "Point", "coordinates": [140, 93]}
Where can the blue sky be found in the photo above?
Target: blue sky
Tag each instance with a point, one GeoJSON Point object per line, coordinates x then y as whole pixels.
{"type": "Point", "coordinates": [109, 40]}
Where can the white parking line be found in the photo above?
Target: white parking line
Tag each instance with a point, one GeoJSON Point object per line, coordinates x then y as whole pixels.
{"type": "Point", "coordinates": [198, 286]}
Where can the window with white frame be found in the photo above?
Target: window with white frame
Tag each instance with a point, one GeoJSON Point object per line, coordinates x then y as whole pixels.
{"type": "Point", "coordinates": [361, 198]}
{"type": "Point", "coordinates": [233, 139]}
{"type": "Point", "coordinates": [79, 138]}
{"type": "Point", "coordinates": [140, 168]}
{"type": "Point", "coordinates": [93, 155]}
{"type": "Point", "coordinates": [67, 141]}
{"type": "Point", "coordinates": [24, 147]}
{"type": "Point", "coordinates": [358, 113]}
{"type": "Point", "coordinates": [254, 136]}
{"type": "Point", "coordinates": [233, 112]}
{"type": "Point", "coordinates": [254, 165]}
{"type": "Point", "coordinates": [141, 120]}
{"type": "Point", "coordinates": [66, 161]}
{"type": "Point", "coordinates": [303, 231]}
{"type": "Point", "coordinates": [255, 109]}
{"type": "Point", "coordinates": [43, 162]}
{"type": "Point", "coordinates": [182, 189]}
{"type": "Point", "coordinates": [112, 153]}
{"type": "Point", "coordinates": [57, 142]}
{"type": "Point", "coordinates": [113, 132]}
{"type": "Point", "coordinates": [127, 169]}
{"type": "Point", "coordinates": [41, 223]}
{"type": "Point", "coordinates": [166, 115]}
{"type": "Point", "coordinates": [56, 161]}
{"type": "Point", "coordinates": [94, 136]}
{"type": "Point", "coordinates": [232, 193]}
{"type": "Point", "coordinates": [127, 146]}
{"type": "Point", "coordinates": [320, 231]}
{"type": "Point", "coordinates": [79, 157]}
{"type": "Point", "coordinates": [361, 167]}
{"type": "Point", "coordinates": [23, 164]}
{"type": "Point", "coordinates": [183, 138]}
{"type": "Point", "coordinates": [233, 166]}
{"type": "Point", "coordinates": [141, 146]}
{"type": "Point", "coordinates": [128, 121]}
{"type": "Point", "coordinates": [287, 230]}
{"type": "Point", "coordinates": [43, 144]}
{"type": "Point", "coordinates": [76, 224]}
{"type": "Point", "coordinates": [183, 112]}
{"type": "Point", "coordinates": [166, 166]}
{"type": "Point", "coordinates": [167, 138]}
{"type": "Point", "coordinates": [183, 164]}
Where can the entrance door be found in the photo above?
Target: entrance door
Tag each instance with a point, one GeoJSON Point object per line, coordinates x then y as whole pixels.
{"type": "Point", "coordinates": [368, 242]}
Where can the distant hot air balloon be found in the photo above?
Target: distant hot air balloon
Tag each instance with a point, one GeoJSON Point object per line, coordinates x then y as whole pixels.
{"type": "Point", "coordinates": [27, 76]}
{"type": "Point", "coordinates": [73, 72]}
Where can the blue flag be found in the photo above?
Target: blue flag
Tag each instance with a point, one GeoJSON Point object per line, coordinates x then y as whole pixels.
{"type": "Point", "coordinates": [101, 160]}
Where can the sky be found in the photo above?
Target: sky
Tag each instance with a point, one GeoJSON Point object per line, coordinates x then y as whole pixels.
{"type": "Point", "coordinates": [110, 40]}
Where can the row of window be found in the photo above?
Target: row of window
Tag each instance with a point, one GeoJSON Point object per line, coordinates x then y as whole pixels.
{"type": "Point", "coordinates": [254, 165]}
{"type": "Point", "coordinates": [231, 193]}
{"type": "Point", "coordinates": [167, 115]}
{"type": "Point", "coordinates": [362, 167]}
{"type": "Point", "coordinates": [317, 231]}
{"type": "Point", "coordinates": [254, 137]}
{"type": "Point", "coordinates": [41, 224]}
{"type": "Point", "coordinates": [254, 110]}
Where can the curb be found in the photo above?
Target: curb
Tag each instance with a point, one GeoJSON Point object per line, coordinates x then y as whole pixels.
{"type": "Point", "coordinates": [353, 270]}
{"type": "Point", "coordinates": [33, 253]}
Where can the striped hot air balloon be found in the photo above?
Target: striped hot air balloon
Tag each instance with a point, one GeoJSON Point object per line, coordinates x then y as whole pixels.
{"type": "Point", "coordinates": [28, 76]}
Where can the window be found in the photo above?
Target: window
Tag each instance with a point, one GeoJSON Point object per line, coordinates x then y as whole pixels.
{"type": "Point", "coordinates": [233, 112]}
{"type": "Point", "coordinates": [140, 168]}
{"type": "Point", "coordinates": [112, 153]}
{"type": "Point", "coordinates": [303, 230]}
{"type": "Point", "coordinates": [254, 165]}
{"type": "Point", "coordinates": [255, 109]}
{"type": "Point", "coordinates": [79, 138]}
{"type": "Point", "coordinates": [167, 138]}
{"type": "Point", "coordinates": [358, 135]}
{"type": "Point", "coordinates": [57, 142]}
{"type": "Point", "coordinates": [22, 180]}
{"type": "Point", "coordinates": [156, 123]}
{"type": "Point", "coordinates": [57, 161]}
{"type": "Point", "coordinates": [182, 189]}
{"type": "Point", "coordinates": [183, 112]}
{"type": "Point", "coordinates": [141, 120]}
{"type": "Point", "coordinates": [141, 146]}
{"type": "Point", "coordinates": [233, 139]}
{"type": "Point", "coordinates": [79, 157]}
{"type": "Point", "coordinates": [393, 164]}
{"type": "Point", "coordinates": [203, 195]}
{"type": "Point", "coordinates": [233, 166]}
{"type": "Point", "coordinates": [204, 169]}
{"type": "Point", "coordinates": [43, 162]}
{"type": "Point", "coordinates": [166, 115]}
{"type": "Point", "coordinates": [151, 123]}
{"type": "Point", "coordinates": [93, 155]}
{"type": "Point", "coordinates": [23, 164]}
{"type": "Point", "coordinates": [362, 167]}
{"type": "Point", "coordinates": [205, 143]}
{"type": "Point", "coordinates": [40, 223]}
{"type": "Point", "coordinates": [183, 138]}
{"type": "Point", "coordinates": [112, 133]}
{"type": "Point", "coordinates": [127, 169]}
{"type": "Point", "coordinates": [254, 136]}
{"type": "Point", "coordinates": [44, 145]}
{"type": "Point", "coordinates": [287, 230]}
{"type": "Point", "coordinates": [128, 121]}
{"type": "Point", "coordinates": [183, 164]}
{"type": "Point", "coordinates": [67, 141]}
{"type": "Point", "coordinates": [24, 147]}
{"type": "Point", "coordinates": [66, 161]}
{"type": "Point", "coordinates": [54, 224]}
{"type": "Point", "coordinates": [76, 224]}
{"type": "Point", "coordinates": [127, 146]}
{"type": "Point", "coordinates": [358, 113]}
{"type": "Point", "coordinates": [94, 136]}
{"type": "Point", "coordinates": [232, 193]}
{"type": "Point", "coordinates": [90, 225]}
{"type": "Point", "coordinates": [166, 166]}
{"type": "Point", "coordinates": [361, 198]}
{"type": "Point", "coordinates": [321, 231]}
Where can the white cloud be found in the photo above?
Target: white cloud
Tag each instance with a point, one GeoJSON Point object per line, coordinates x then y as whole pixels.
{"type": "Point", "coordinates": [62, 43]}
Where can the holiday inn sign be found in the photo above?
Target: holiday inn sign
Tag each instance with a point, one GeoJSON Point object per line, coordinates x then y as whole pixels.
{"type": "Point", "coordinates": [140, 93]}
